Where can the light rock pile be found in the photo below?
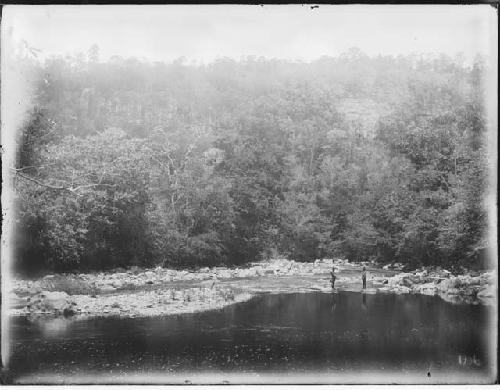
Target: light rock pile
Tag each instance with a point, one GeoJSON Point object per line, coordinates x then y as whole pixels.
{"type": "Point", "coordinates": [133, 278]}
{"type": "Point", "coordinates": [443, 283]}
{"type": "Point", "coordinates": [51, 302]}
{"type": "Point", "coordinates": [132, 292]}
{"type": "Point", "coordinates": [159, 291]}
{"type": "Point", "coordinates": [140, 303]}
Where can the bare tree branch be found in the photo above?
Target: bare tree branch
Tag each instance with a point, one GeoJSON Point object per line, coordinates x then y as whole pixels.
{"type": "Point", "coordinates": [71, 189]}
{"type": "Point", "coordinates": [89, 186]}
{"type": "Point", "coordinates": [29, 178]}
{"type": "Point", "coordinates": [32, 167]}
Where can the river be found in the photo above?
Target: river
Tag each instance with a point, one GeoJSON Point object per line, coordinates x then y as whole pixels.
{"type": "Point", "coordinates": [315, 337]}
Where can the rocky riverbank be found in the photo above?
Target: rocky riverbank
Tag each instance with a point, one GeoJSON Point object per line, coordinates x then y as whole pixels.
{"type": "Point", "coordinates": [146, 292]}
{"type": "Point", "coordinates": [475, 287]}
{"type": "Point", "coordinates": [150, 292]}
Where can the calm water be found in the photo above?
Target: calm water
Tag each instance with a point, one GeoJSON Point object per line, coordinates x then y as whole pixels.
{"type": "Point", "coordinates": [287, 334]}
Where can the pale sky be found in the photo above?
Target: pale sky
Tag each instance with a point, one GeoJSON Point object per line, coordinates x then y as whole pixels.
{"type": "Point", "coordinates": [205, 32]}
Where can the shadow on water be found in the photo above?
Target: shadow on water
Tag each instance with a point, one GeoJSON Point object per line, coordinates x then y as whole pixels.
{"type": "Point", "coordinates": [284, 332]}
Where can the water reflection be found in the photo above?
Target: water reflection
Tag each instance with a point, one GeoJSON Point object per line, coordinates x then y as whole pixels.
{"type": "Point", "coordinates": [54, 328]}
{"type": "Point", "coordinates": [282, 332]}
{"type": "Point", "coordinates": [334, 301]}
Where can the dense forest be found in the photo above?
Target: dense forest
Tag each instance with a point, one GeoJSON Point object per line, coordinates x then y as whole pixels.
{"type": "Point", "coordinates": [129, 162]}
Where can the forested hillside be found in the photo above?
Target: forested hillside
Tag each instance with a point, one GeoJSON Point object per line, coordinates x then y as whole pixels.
{"type": "Point", "coordinates": [128, 162]}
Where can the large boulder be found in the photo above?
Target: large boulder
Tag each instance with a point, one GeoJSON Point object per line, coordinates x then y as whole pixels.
{"type": "Point", "coordinates": [453, 291]}
{"type": "Point", "coordinates": [259, 271]}
{"type": "Point", "coordinates": [107, 289]}
{"type": "Point", "coordinates": [54, 302]}
{"type": "Point", "coordinates": [426, 289]}
{"type": "Point", "coordinates": [444, 284]}
{"type": "Point", "coordinates": [486, 278]}
{"type": "Point", "coordinates": [407, 281]}
{"type": "Point", "coordinates": [35, 289]}
{"type": "Point", "coordinates": [487, 292]}
{"type": "Point", "coordinates": [451, 283]}
{"type": "Point", "coordinates": [117, 283]}
{"type": "Point", "coordinates": [475, 281]}
{"type": "Point", "coordinates": [399, 280]}
{"type": "Point", "coordinates": [402, 290]}
{"type": "Point", "coordinates": [422, 273]}
{"type": "Point", "coordinates": [395, 281]}
{"type": "Point", "coordinates": [224, 274]}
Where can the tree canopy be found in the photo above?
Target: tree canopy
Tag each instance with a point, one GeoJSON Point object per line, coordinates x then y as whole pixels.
{"type": "Point", "coordinates": [372, 158]}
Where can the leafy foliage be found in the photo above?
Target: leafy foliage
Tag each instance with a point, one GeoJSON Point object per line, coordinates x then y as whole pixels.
{"type": "Point", "coordinates": [128, 162]}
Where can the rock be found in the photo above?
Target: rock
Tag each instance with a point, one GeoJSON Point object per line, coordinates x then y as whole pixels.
{"type": "Point", "coordinates": [55, 302]}
{"type": "Point", "coordinates": [117, 284]}
{"type": "Point", "coordinates": [35, 290]}
{"type": "Point", "coordinates": [453, 291]}
{"type": "Point", "coordinates": [225, 274]}
{"type": "Point", "coordinates": [447, 284]}
{"type": "Point", "coordinates": [457, 282]}
{"type": "Point", "coordinates": [245, 273]}
{"type": "Point", "coordinates": [407, 282]}
{"type": "Point", "coordinates": [465, 280]}
{"type": "Point", "coordinates": [149, 282]}
{"type": "Point", "coordinates": [69, 311]}
{"type": "Point", "coordinates": [394, 281]}
{"type": "Point", "coordinates": [426, 289]}
{"type": "Point", "coordinates": [107, 289]}
{"type": "Point", "coordinates": [488, 276]}
{"type": "Point", "coordinates": [402, 290]}
{"type": "Point", "coordinates": [472, 291]}
{"type": "Point", "coordinates": [259, 271]}
{"type": "Point", "coordinates": [488, 292]}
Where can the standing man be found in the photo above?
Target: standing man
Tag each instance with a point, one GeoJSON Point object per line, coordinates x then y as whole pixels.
{"type": "Point", "coordinates": [333, 277]}
{"type": "Point", "coordinates": [363, 277]}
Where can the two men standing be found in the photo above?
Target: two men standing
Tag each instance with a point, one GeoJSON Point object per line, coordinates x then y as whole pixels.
{"type": "Point", "coordinates": [334, 277]}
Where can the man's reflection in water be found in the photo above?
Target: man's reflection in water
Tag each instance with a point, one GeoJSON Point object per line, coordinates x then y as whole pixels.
{"type": "Point", "coordinates": [334, 301]}
{"type": "Point", "coordinates": [364, 328]}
